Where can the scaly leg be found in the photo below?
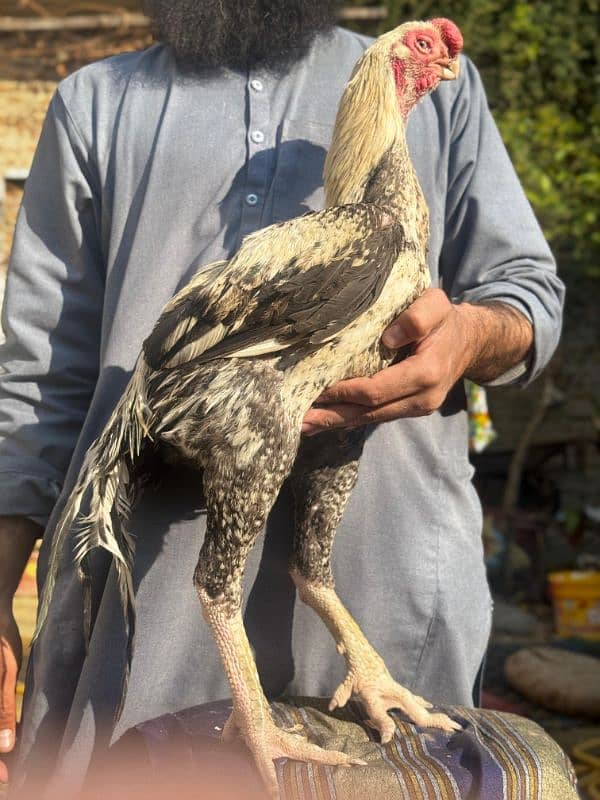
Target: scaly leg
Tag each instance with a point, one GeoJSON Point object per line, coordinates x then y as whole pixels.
{"type": "Point", "coordinates": [236, 510]}
{"type": "Point", "coordinates": [322, 480]}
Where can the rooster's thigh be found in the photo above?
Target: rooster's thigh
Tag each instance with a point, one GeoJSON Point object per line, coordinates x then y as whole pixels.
{"type": "Point", "coordinates": [230, 417]}
{"type": "Point", "coordinates": [246, 444]}
{"type": "Point", "coordinates": [322, 480]}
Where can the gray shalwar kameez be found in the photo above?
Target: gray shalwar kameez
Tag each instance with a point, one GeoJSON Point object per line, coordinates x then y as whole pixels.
{"type": "Point", "coordinates": [141, 176]}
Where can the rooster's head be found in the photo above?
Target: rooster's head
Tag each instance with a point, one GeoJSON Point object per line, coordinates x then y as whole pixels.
{"type": "Point", "coordinates": [420, 55]}
{"type": "Point", "coordinates": [399, 68]}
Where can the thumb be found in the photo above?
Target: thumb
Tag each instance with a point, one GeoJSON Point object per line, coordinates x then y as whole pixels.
{"type": "Point", "coordinates": [417, 321]}
{"type": "Point", "coordinates": [396, 336]}
{"type": "Point", "coordinates": [8, 685]}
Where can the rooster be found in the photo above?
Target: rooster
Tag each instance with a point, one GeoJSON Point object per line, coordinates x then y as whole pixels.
{"type": "Point", "coordinates": [240, 354]}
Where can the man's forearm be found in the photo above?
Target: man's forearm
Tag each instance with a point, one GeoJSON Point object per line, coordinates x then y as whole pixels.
{"type": "Point", "coordinates": [17, 539]}
{"type": "Point", "coordinates": [500, 338]}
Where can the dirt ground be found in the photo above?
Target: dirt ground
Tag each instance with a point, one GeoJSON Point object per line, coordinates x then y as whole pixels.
{"type": "Point", "coordinates": [30, 8]}
{"type": "Point", "coordinates": [22, 108]}
{"type": "Point", "coordinates": [31, 65]}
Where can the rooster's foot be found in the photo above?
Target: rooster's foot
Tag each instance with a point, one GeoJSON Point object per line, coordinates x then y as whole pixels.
{"type": "Point", "coordinates": [231, 732]}
{"type": "Point", "coordinates": [380, 693]}
{"type": "Point", "coordinates": [267, 742]}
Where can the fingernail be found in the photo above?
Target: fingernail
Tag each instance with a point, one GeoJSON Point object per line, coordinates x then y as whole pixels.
{"type": "Point", "coordinates": [309, 429]}
{"type": "Point", "coordinates": [393, 336]}
{"type": "Point", "coordinates": [6, 739]}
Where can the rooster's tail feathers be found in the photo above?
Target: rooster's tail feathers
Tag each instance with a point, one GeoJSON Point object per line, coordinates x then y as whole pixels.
{"type": "Point", "coordinates": [105, 476]}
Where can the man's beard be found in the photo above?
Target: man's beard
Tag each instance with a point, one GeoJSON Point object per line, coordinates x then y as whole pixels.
{"type": "Point", "coordinates": [240, 33]}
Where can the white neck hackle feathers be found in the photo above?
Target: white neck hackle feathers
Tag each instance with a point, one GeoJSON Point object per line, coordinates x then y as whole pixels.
{"type": "Point", "coordinates": [369, 120]}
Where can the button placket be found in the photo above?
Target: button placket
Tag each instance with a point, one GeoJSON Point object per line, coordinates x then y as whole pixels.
{"type": "Point", "coordinates": [258, 141]}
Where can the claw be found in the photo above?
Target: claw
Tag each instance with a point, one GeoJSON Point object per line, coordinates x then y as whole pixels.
{"type": "Point", "coordinates": [379, 694]}
{"type": "Point", "coordinates": [342, 694]}
{"type": "Point", "coordinates": [383, 723]}
{"type": "Point", "coordinates": [355, 762]}
{"type": "Point", "coordinates": [230, 731]}
{"type": "Point", "coordinates": [264, 762]}
{"type": "Point", "coordinates": [270, 742]}
{"type": "Point", "coordinates": [440, 721]}
{"type": "Point", "coordinates": [427, 720]}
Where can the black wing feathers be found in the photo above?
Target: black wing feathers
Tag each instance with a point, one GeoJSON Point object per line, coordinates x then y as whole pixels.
{"type": "Point", "coordinates": [316, 304]}
{"type": "Point", "coordinates": [300, 297]}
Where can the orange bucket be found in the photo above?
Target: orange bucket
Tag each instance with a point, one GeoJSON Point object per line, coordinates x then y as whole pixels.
{"type": "Point", "coordinates": [576, 602]}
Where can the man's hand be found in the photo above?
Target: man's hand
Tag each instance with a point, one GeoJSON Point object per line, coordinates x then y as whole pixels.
{"type": "Point", "coordinates": [11, 652]}
{"type": "Point", "coordinates": [17, 538]}
{"type": "Point", "coordinates": [449, 342]}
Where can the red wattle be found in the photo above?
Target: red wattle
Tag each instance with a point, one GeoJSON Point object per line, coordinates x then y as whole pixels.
{"type": "Point", "coordinates": [451, 35]}
{"type": "Point", "coordinates": [399, 75]}
{"type": "Point", "coordinates": [424, 83]}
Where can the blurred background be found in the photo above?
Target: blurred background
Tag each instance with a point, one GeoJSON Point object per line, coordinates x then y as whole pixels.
{"type": "Point", "coordinates": [536, 450]}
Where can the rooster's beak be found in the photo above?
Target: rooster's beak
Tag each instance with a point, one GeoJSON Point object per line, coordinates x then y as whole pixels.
{"type": "Point", "coordinates": [449, 68]}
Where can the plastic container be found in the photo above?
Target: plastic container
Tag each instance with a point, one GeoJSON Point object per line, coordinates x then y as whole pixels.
{"type": "Point", "coordinates": [576, 601]}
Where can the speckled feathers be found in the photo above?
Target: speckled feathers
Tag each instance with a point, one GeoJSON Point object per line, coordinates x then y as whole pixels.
{"type": "Point", "coordinates": [239, 355]}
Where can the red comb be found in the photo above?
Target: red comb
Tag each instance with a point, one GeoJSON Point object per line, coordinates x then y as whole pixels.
{"type": "Point", "coordinates": [450, 34]}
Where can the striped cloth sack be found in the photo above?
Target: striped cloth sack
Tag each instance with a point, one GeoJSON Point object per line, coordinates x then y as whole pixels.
{"type": "Point", "coordinates": [496, 756]}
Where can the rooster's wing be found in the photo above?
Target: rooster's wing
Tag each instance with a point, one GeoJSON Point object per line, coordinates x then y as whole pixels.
{"type": "Point", "coordinates": [300, 280]}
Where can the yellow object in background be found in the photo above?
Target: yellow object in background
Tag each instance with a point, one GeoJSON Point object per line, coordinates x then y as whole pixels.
{"type": "Point", "coordinates": [576, 601]}
{"type": "Point", "coordinates": [481, 429]}
{"type": "Point", "coordinates": [586, 758]}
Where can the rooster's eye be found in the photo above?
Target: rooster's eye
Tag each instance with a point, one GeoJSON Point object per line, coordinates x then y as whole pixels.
{"type": "Point", "coordinates": [424, 45]}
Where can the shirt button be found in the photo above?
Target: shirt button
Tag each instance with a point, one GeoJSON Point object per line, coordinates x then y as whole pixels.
{"type": "Point", "coordinates": [257, 136]}
{"type": "Point", "coordinates": [252, 199]}
{"type": "Point", "coordinates": [257, 85]}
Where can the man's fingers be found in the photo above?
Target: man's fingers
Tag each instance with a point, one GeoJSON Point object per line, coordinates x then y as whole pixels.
{"type": "Point", "coordinates": [334, 416]}
{"type": "Point", "coordinates": [347, 415]}
{"type": "Point", "coordinates": [420, 318]}
{"type": "Point", "coordinates": [364, 391]}
{"type": "Point", "coordinates": [411, 376]}
{"type": "Point", "coordinates": [8, 685]}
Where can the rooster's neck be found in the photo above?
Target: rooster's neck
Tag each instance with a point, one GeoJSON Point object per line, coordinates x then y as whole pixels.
{"type": "Point", "coordinates": [393, 185]}
{"type": "Point", "coordinates": [368, 157]}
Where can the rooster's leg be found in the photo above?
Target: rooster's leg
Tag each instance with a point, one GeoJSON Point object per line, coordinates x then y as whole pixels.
{"type": "Point", "coordinates": [237, 506]}
{"type": "Point", "coordinates": [323, 479]}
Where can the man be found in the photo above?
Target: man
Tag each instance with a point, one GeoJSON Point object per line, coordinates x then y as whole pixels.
{"type": "Point", "coordinates": [150, 165]}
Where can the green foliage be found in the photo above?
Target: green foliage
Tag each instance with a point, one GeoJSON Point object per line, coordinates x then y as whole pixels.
{"type": "Point", "coordinates": [540, 64]}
